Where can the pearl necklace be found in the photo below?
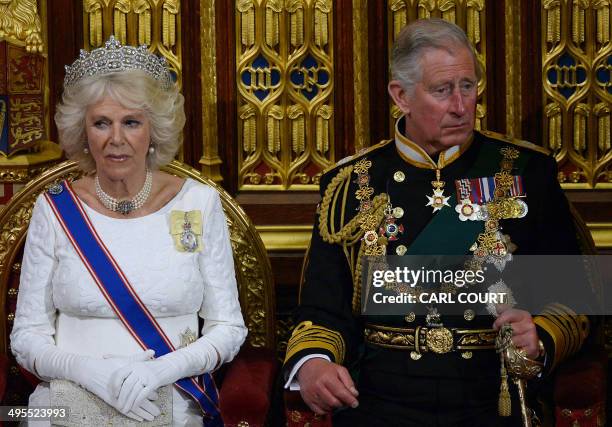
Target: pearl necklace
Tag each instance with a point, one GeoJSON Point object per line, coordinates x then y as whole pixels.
{"type": "Point", "coordinates": [125, 206]}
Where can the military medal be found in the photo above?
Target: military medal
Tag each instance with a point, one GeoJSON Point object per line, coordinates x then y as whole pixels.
{"type": "Point", "coordinates": [503, 250]}
{"type": "Point", "coordinates": [467, 210]}
{"type": "Point", "coordinates": [493, 247]}
{"type": "Point", "coordinates": [481, 198]}
{"type": "Point", "coordinates": [370, 237]}
{"type": "Point", "coordinates": [390, 229]}
{"type": "Point", "coordinates": [437, 200]}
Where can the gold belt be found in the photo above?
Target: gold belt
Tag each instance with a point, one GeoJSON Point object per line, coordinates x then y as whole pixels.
{"type": "Point", "coordinates": [438, 340]}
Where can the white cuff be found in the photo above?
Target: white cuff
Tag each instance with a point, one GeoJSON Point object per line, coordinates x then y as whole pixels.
{"type": "Point", "coordinates": [292, 383]}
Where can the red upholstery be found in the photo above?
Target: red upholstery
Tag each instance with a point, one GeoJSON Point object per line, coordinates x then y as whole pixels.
{"type": "Point", "coordinates": [29, 377]}
{"type": "Point", "coordinates": [588, 374]}
{"type": "Point", "coordinates": [247, 387]}
{"type": "Point", "coordinates": [299, 415]}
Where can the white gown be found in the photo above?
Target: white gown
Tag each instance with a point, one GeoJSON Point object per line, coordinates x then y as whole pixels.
{"type": "Point", "coordinates": [59, 303]}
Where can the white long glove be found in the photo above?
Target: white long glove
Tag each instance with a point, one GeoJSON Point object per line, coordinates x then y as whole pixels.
{"type": "Point", "coordinates": [133, 383]}
{"type": "Point", "coordinates": [95, 375]}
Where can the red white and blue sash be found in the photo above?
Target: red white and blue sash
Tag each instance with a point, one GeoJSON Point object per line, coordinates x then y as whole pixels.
{"type": "Point", "coordinates": [482, 190]}
{"type": "Point", "coordinates": [119, 293]}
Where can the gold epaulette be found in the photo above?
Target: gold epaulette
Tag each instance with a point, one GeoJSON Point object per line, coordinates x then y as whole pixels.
{"type": "Point", "coordinates": [567, 329]}
{"type": "Point", "coordinates": [518, 142]}
{"type": "Point", "coordinates": [307, 335]}
{"type": "Point", "coordinates": [357, 155]}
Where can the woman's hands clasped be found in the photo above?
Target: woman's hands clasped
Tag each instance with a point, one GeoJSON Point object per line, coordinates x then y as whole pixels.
{"type": "Point", "coordinates": [98, 376]}
{"type": "Point", "coordinates": [132, 384]}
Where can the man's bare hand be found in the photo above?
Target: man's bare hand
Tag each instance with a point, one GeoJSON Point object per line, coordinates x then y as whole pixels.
{"type": "Point", "coordinates": [325, 386]}
{"type": "Point", "coordinates": [524, 334]}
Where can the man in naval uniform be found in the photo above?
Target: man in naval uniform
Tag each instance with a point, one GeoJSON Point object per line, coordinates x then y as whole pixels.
{"type": "Point", "coordinates": [422, 193]}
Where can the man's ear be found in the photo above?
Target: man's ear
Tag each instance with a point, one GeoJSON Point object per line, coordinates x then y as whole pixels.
{"type": "Point", "coordinates": [399, 96]}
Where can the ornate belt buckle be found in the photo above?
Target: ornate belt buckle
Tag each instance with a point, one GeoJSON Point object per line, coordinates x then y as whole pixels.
{"type": "Point", "coordinates": [439, 340]}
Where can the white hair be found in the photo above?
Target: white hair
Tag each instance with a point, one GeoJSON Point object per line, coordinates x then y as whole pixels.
{"type": "Point", "coordinates": [418, 38]}
{"type": "Point", "coordinates": [133, 89]}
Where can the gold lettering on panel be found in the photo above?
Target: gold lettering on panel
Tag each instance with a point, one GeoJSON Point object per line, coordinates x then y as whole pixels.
{"type": "Point", "coordinates": [576, 70]}
{"type": "Point", "coordinates": [284, 60]}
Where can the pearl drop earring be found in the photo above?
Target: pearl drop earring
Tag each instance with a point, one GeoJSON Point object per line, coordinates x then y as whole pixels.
{"type": "Point", "coordinates": [151, 149]}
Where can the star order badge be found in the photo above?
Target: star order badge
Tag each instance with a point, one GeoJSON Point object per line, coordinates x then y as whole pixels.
{"type": "Point", "coordinates": [437, 200]}
{"type": "Point", "coordinates": [390, 229]}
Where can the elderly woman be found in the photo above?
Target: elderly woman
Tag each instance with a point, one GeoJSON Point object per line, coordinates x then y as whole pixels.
{"type": "Point", "coordinates": [119, 264]}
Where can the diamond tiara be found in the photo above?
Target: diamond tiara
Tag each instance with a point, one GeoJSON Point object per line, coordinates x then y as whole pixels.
{"type": "Point", "coordinates": [113, 58]}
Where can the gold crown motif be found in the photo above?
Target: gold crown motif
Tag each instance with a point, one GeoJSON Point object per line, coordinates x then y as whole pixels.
{"type": "Point", "coordinates": [113, 58]}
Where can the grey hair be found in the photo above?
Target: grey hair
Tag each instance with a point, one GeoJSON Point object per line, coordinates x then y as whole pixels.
{"type": "Point", "coordinates": [419, 37]}
{"type": "Point", "coordinates": [134, 89]}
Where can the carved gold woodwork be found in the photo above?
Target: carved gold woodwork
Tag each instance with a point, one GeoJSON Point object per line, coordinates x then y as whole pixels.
{"type": "Point", "coordinates": [154, 23]}
{"type": "Point", "coordinates": [20, 23]}
{"type": "Point", "coordinates": [361, 73]}
{"type": "Point", "coordinates": [210, 161]}
{"type": "Point", "coordinates": [24, 92]}
{"type": "Point", "coordinates": [253, 270]}
{"type": "Point", "coordinates": [21, 168]}
{"type": "Point", "coordinates": [576, 76]}
{"type": "Point", "coordinates": [468, 14]}
{"type": "Point", "coordinates": [514, 81]}
{"type": "Point", "coordinates": [284, 73]}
